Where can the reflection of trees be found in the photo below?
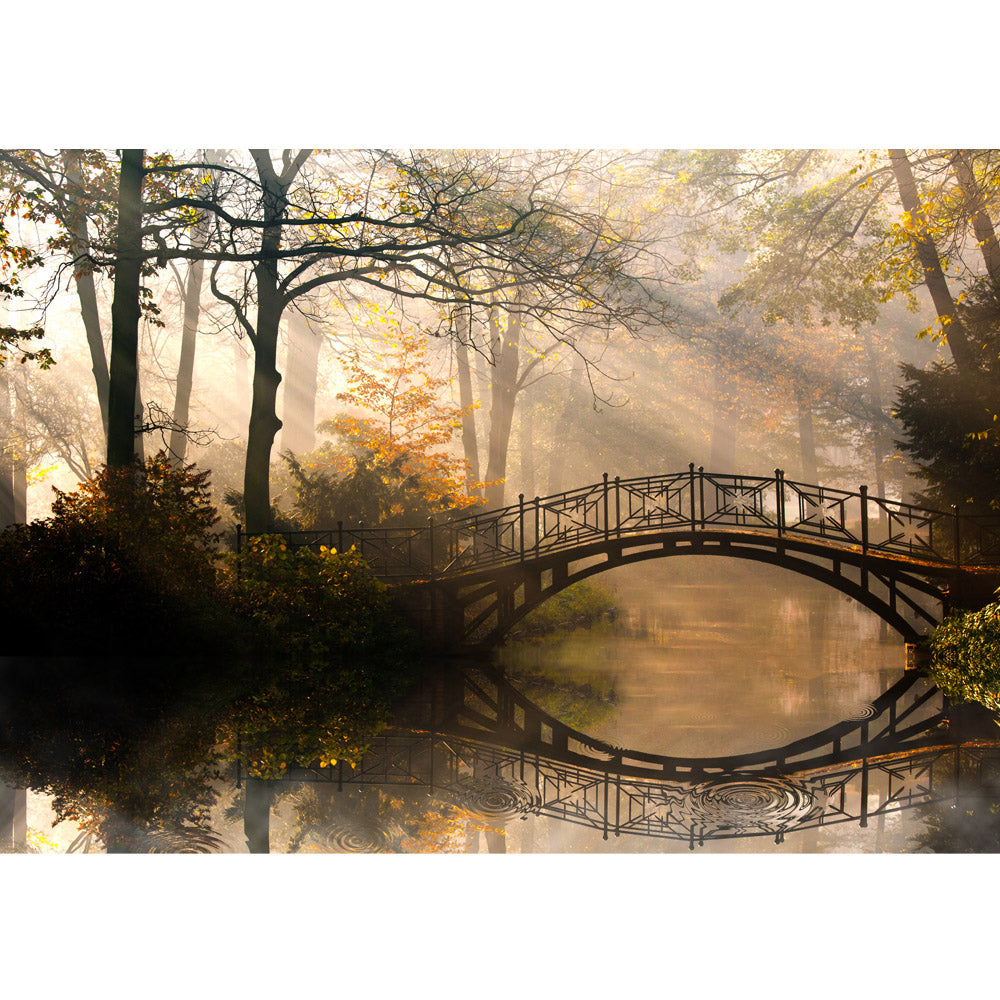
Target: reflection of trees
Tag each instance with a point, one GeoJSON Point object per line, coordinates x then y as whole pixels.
{"type": "Point", "coordinates": [968, 820]}
{"type": "Point", "coordinates": [134, 771]}
{"type": "Point", "coordinates": [970, 826]}
{"type": "Point", "coordinates": [135, 752]}
{"type": "Point", "coordinates": [580, 699]}
{"type": "Point", "coordinates": [366, 820]}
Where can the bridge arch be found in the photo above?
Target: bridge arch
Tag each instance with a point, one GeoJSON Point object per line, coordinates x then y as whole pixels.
{"type": "Point", "coordinates": [486, 608]}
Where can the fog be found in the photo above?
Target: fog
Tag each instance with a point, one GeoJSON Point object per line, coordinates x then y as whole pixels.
{"type": "Point", "coordinates": [715, 334]}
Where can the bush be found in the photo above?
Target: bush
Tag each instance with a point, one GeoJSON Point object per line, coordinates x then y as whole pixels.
{"type": "Point", "coordinates": [125, 562]}
{"type": "Point", "coordinates": [344, 658]}
{"type": "Point", "coordinates": [310, 602]}
{"type": "Point", "coordinates": [965, 657]}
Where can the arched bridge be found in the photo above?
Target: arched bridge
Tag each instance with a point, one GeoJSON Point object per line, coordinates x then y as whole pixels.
{"type": "Point", "coordinates": [472, 578]}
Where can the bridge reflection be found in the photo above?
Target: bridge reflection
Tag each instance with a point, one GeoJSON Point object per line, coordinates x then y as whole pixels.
{"type": "Point", "coordinates": [498, 785]}
{"type": "Point", "coordinates": [471, 740]}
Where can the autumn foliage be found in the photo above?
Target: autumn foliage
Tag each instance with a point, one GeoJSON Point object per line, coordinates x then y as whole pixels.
{"type": "Point", "coordinates": [392, 462]}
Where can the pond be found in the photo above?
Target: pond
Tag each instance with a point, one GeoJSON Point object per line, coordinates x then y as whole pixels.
{"type": "Point", "coordinates": [705, 659]}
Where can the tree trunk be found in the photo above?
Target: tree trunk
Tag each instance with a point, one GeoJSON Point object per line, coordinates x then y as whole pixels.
{"type": "Point", "coordinates": [298, 403]}
{"type": "Point", "coordinates": [258, 796]}
{"type": "Point", "coordinates": [466, 400]}
{"type": "Point", "coordinates": [482, 413]}
{"type": "Point", "coordinates": [264, 423]}
{"type": "Point", "coordinates": [982, 225]}
{"type": "Point", "coordinates": [13, 815]}
{"type": "Point", "coordinates": [185, 367]}
{"type": "Point", "coordinates": [140, 420]}
{"type": "Point", "coordinates": [496, 841]}
{"type": "Point", "coordinates": [125, 313]}
{"type": "Point", "coordinates": [189, 338]}
{"type": "Point", "coordinates": [20, 491]}
{"type": "Point", "coordinates": [954, 330]}
{"type": "Point", "coordinates": [85, 290]}
{"type": "Point", "coordinates": [807, 442]}
{"type": "Point", "coordinates": [878, 409]}
{"type": "Point", "coordinates": [503, 392]}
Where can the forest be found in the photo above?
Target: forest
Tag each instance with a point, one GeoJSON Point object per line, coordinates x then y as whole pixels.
{"type": "Point", "coordinates": [203, 350]}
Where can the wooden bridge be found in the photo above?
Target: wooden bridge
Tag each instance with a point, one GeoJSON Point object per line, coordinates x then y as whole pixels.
{"type": "Point", "coordinates": [472, 578]}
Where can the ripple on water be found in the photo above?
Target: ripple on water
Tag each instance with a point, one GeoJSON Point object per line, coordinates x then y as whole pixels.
{"type": "Point", "coordinates": [860, 711]}
{"type": "Point", "coordinates": [748, 804]}
{"type": "Point", "coordinates": [495, 798]}
{"type": "Point", "coordinates": [355, 837]}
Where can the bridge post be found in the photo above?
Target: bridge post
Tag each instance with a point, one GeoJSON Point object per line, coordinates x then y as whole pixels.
{"type": "Point", "coordinates": [779, 507]}
{"type": "Point", "coordinates": [340, 536]}
{"type": "Point", "coordinates": [618, 506]}
{"type": "Point", "coordinates": [701, 492]}
{"type": "Point", "coordinates": [863, 490]}
{"type": "Point", "coordinates": [538, 503]}
{"type": "Point", "coordinates": [520, 505]}
{"type": "Point", "coordinates": [607, 530]}
{"type": "Point", "coordinates": [864, 793]}
{"type": "Point", "coordinates": [691, 474]}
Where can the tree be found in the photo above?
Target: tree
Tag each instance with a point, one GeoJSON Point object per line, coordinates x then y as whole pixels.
{"type": "Point", "coordinates": [125, 313]}
{"type": "Point", "coordinates": [298, 414]}
{"type": "Point", "coordinates": [449, 230]}
{"type": "Point", "coordinates": [191, 298]}
{"type": "Point", "coordinates": [12, 342]}
{"type": "Point", "coordinates": [75, 191]}
{"type": "Point", "coordinates": [837, 234]}
{"type": "Point", "coordinates": [833, 236]}
{"type": "Point", "coordinates": [394, 464]}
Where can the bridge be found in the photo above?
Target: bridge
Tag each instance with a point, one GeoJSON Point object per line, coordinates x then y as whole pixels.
{"type": "Point", "coordinates": [469, 738]}
{"type": "Point", "coordinates": [470, 579]}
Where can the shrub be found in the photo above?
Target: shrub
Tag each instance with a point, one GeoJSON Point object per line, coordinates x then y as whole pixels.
{"type": "Point", "coordinates": [128, 557]}
{"type": "Point", "coordinates": [965, 657]}
{"type": "Point", "coordinates": [309, 601]}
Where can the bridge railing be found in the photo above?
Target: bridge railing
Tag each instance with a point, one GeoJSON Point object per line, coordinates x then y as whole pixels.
{"type": "Point", "coordinates": [691, 500]}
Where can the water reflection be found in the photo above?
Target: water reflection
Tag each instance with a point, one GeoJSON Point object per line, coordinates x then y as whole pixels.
{"type": "Point", "coordinates": [421, 793]}
{"type": "Point", "coordinates": [716, 656]}
{"type": "Point", "coordinates": [794, 728]}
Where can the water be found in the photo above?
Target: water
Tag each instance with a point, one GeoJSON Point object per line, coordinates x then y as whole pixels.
{"type": "Point", "coordinates": [717, 657]}
{"type": "Point", "coordinates": [710, 658]}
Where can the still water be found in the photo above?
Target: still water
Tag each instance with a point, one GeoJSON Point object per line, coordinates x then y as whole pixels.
{"type": "Point", "coordinates": [706, 658]}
